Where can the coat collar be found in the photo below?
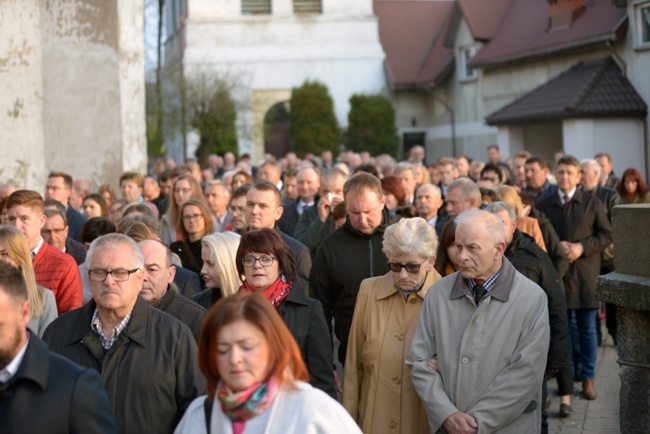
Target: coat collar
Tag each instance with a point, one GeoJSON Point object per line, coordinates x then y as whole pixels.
{"type": "Point", "coordinates": [501, 290]}
{"type": "Point", "coordinates": [33, 367]}
{"type": "Point", "coordinates": [136, 330]}
{"type": "Point", "coordinates": [166, 299]}
{"type": "Point", "coordinates": [387, 289]}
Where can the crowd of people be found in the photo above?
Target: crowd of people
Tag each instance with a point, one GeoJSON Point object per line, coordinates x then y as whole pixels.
{"type": "Point", "coordinates": [210, 299]}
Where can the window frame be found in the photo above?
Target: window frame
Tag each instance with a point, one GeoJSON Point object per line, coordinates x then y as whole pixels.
{"type": "Point", "coordinates": [465, 54]}
{"type": "Point", "coordinates": [638, 19]}
{"type": "Point", "coordinates": [256, 7]}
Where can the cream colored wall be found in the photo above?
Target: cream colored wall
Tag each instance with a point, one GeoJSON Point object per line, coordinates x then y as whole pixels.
{"type": "Point", "coordinates": [339, 48]}
{"type": "Point", "coordinates": [74, 71]}
{"type": "Point", "coordinates": [263, 100]}
{"type": "Point", "coordinates": [21, 94]}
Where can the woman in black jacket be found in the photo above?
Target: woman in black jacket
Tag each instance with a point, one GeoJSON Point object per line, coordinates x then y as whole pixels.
{"type": "Point", "coordinates": [268, 266]}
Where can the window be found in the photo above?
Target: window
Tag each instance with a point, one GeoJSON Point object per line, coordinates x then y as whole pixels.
{"type": "Point", "coordinates": [643, 25]}
{"type": "Point", "coordinates": [256, 7]}
{"type": "Point", "coordinates": [307, 6]}
{"type": "Point", "coordinates": [466, 73]}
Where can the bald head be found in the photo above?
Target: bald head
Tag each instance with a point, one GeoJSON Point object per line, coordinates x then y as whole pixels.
{"type": "Point", "coordinates": [158, 270]}
{"type": "Point", "coordinates": [428, 200]}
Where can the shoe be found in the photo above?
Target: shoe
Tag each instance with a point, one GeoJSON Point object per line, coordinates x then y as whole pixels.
{"type": "Point", "coordinates": [565, 410]}
{"type": "Point", "coordinates": [588, 390]}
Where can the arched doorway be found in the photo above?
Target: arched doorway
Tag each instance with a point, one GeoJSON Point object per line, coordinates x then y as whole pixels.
{"type": "Point", "coordinates": [277, 141]}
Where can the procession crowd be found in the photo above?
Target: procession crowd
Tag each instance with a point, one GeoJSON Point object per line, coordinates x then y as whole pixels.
{"type": "Point", "coordinates": [209, 299]}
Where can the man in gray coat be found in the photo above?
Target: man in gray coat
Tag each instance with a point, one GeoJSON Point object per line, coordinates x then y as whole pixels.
{"type": "Point", "coordinates": [479, 352]}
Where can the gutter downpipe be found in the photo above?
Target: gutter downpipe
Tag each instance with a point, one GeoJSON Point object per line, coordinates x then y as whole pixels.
{"type": "Point", "coordinates": [452, 115]}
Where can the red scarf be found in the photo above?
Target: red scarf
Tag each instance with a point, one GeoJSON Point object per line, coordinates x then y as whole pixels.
{"type": "Point", "coordinates": [276, 293]}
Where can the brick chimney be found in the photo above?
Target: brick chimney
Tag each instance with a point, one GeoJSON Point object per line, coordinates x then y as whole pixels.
{"type": "Point", "coordinates": [562, 13]}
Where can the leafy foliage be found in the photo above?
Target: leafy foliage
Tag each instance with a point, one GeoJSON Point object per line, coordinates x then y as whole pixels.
{"type": "Point", "coordinates": [371, 125]}
{"type": "Point", "coordinates": [313, 124]}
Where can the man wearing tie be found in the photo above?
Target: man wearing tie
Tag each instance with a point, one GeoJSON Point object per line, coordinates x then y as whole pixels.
{"type": "Point", "coordinates": [308, 185]}
{"type": "Point", "coordinates": [479, 352]}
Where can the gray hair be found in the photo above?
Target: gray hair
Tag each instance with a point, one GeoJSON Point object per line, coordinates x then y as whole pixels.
{"type": "Point", "coordinates": [499, 206]}
{"type": "Point", "coordinates": [112, 241]}
{"type": "Point", "coordinates": [403, 166]}
{"type": "Point", "coordinates": [493, 225]}
{"type": "Point", "coordinates": [592, 164]}
{"type": "Point", "coordinates": [411, 235]}
{"type": "Point", "coordinates": [468, 189]}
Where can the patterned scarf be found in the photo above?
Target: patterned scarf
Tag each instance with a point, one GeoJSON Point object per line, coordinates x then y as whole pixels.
{"type": "Point", "coordinates": [276, 293]}
{"type": "Point", "coordinates": [245, 405]}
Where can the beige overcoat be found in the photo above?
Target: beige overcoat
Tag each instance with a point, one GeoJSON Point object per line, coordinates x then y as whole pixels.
{"type": "Point", "coordinates": [377, 388]}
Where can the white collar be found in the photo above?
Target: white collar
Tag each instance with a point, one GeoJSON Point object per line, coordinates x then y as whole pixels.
{"type": "Point", "coordinates": [570, 194]}
{"type": "Point", "coordinates": [38, 247]}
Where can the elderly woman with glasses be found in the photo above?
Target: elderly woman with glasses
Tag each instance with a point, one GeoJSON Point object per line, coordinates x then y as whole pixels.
{"type": "Point", "coordinates": [269, 268]}
{"type": "Point", "coordinates": [377, 388]}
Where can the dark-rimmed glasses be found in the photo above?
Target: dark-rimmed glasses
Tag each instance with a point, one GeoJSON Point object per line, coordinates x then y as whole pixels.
{"type": "Point", "coordinates": [119, 275]}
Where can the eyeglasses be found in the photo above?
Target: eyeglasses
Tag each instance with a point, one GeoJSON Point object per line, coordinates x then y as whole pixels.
{"type": "Point", "coordinates": [410, 268]}
{"type": "Point", "coordinates": [236, 209]}
{"type": "Point", "coordinates": [265, 261]}
{"type": "Point", "coordinates": [195, 217]}
{"type": "Point", "coordinates": [53, 188]}
{"type": "Point", "coordinates": [52, 231]}
{"type": "Point", "coordinates": [183, 190]}
{"type": "Point", "coordinates": [119, 275]}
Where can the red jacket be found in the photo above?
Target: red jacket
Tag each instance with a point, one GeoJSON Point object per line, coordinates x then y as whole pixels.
{"type": "Point", "coordinates": [59, 272]}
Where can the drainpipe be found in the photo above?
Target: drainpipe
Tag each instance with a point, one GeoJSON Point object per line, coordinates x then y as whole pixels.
{"type": "Point", "coordinates": [452, 115]}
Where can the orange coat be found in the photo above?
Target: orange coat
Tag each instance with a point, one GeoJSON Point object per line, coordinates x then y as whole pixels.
{"type": "Point", "coordinates": [530, 226]}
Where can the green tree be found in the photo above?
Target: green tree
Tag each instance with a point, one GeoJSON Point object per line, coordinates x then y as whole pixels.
{"type": "Point", "coordinates": [211, 110]}
{"type": "Point", "coordinates": [371, 125]}
{"type": "Point", "coordinates": [313, 125]}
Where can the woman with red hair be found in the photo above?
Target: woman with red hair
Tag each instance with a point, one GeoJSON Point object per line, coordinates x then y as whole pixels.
{"type": "Point", "coordinates": [632, 188]}
{"type": "Point", "coordinates": [256, 377]}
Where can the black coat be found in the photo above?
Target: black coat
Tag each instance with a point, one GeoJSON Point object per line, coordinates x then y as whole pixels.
{"type": "Point", "coordinates": [583, 220]}
{"type": "Point", "coordinates": [76, 250]}
{"type": "Point", "coordinates": [304, 318]}
{"type": "Point", "coordinates": [531, 261]}
{"type": "Point", "coordinates": [151, 372]}
{"type": "Point", "coordinates": [207, 298]}
{"type": "Point", "coordinates": [75, 223]}
{"type": "Point", "coordinates": [344, 259]}
{"type": "Point", "coordinates": [311, 231]}
{"type": "Point", "coordinates": [184, 309]}
{"type": "Point", "coordinates": [50, 394]}
{"type": "Point", "coordinates": [187, 281]}
{"type": "Point", "coordinates": [289, 219]}
{"type": "Point", "coordinates": [552, 243]}
{"type": "Point", "coordinates": [302, 257]}
{"type": "Point", "coordinates": [190, 254]}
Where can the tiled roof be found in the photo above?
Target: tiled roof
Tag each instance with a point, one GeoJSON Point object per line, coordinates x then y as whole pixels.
{"type": "Point", "coordinates": [523, 31]}
{"type": "Point", "coordinates": [484, 16]}
{"type": "Point", "coordinates": [596, 88]}
{"type": "Point", "coordinates": [413, 35]}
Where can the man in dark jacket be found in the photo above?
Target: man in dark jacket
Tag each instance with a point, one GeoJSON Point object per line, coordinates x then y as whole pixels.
{"type": "Point", "coordinates": [68, 398]}
{"type": "Point", "coordinates": [351, 254]}
{"type": "Point", "coordinates": [147, 359]}
{"type": "Point", "coordinates": [580, 221]}
{"type": "Point", "coordinates": [263, 210]}
{"type": "Point", "coordinates": [314, 224]}
{"type": "Point", "coordinates": [158, 289]}
{"type": "Point", "coordinates": [531, 261]}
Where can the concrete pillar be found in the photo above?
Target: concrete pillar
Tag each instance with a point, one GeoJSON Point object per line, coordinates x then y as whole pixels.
{"type": "Point", "coordinates": [629, 289]}
{"type": "Point", "coordinates": [75, 82]}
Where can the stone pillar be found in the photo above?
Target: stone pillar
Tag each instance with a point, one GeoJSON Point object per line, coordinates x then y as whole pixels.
{"type": "Point", "coordinates": [629, 289]}
{"type": "Point", "coordinates": [72, 82]}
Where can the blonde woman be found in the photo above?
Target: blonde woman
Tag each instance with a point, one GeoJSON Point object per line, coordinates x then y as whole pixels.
{"type": "Point", "coordinates": [219, 268]}
{"type": "Point", "coordinates": [14, 251]}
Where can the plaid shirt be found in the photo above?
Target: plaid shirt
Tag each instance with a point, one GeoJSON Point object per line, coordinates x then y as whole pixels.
{"type": "Point", "coordinates": [96, 326]}
{"type": "Point", "coordinates": [487, 285]}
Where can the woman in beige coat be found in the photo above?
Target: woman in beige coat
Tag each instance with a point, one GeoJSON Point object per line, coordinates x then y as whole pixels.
{"type": "Point", "coordinates": [377, 389]}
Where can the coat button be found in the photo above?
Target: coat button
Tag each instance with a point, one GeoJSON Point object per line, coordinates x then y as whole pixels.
{"type": "Point", "coordinates": [395, 380]}
{"type": "Point", "coordinates": [465, 360]}
{"type": "Point", "coordinates": [392, 424]}
{"type": "Point", "coordinates": [400, 337]}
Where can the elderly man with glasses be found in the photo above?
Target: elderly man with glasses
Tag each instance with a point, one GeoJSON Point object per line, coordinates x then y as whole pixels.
{"type": "Point", "coordinates": [147, 359]}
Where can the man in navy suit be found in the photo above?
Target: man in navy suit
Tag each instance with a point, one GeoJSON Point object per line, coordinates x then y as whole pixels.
{"type": "Point", "coordinates": [308, 185]}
